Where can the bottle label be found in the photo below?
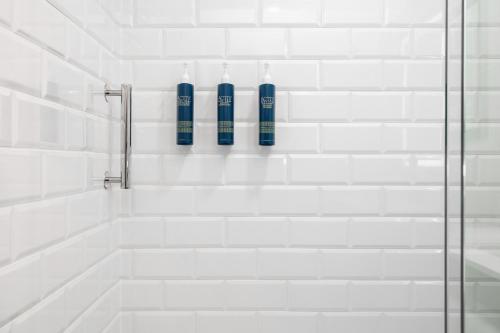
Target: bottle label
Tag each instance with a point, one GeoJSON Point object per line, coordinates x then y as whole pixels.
{"type": "Point", "coordinates": [184, 101]}
{"type": "Point", "coordinates": [267, 127]}
{"type": "Point", "coordinates": [225, 126]}
{"type": "Point", "coordinates": [267, 102]}
{"type": "Point", "coordinates": [225, 100]}
{"type": "Point", "coordinates": [184, 126]}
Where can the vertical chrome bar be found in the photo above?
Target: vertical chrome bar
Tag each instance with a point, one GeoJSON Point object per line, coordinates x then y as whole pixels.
{"type": "Point", "coordinates": [126, 92]}
{"type": "Point", "coordinates": [126, 135]}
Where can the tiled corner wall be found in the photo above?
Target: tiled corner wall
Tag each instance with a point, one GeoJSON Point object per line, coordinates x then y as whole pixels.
{"type": "Point", "coordinates": [59, 261]}
{"type": "Point", "coordinates": [339, 227]}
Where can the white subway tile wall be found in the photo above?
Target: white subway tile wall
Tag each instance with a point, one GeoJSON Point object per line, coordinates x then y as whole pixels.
{"type": "Point", "coordinates": [59, 261]}
{"type": "Point", "coordinates": [339, 226]}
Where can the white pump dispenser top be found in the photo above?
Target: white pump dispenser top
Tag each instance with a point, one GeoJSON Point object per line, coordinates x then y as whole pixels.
{"type": "Point", "coordinates": [185, 76]}
{"type": "Point", "coordinates": [225, 76]}
{"type": "Point", "coordinates": [267, 74]}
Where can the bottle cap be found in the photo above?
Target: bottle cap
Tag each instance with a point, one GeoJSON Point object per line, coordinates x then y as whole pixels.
{"type": "Point", "coordinates": [185, 76]}
{"type": "Point", "coordinates": [225, 76]}
{"type": "Point", "coordinates": [267, 75]}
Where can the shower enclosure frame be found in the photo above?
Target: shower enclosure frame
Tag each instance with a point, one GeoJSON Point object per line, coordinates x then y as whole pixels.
{"type": "Point", "coordinates": [454, 260]}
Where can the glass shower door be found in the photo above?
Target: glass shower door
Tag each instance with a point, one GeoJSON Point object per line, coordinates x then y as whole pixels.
{"type": "Point", "coordinates": [481, 166]}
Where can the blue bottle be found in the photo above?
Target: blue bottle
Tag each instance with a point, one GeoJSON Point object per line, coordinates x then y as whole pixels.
{"type": "Point", "coordinates": [267, 106]}
{"type": "Point", "coordinates": [185, 110]}
{"type": "Point", "coordinates": [225, 111]}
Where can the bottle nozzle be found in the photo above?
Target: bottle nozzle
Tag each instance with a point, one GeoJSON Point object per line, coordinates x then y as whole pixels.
{"type": "Point", "coordinates": [267, 74]}
{"type": "Point", "coordinates": [225, 76]}
{"type": "Point", "coordinates": [185, 76]}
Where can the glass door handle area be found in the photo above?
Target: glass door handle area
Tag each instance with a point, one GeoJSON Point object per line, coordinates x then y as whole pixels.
{"type": "Point", "coordinates": [126, 135]}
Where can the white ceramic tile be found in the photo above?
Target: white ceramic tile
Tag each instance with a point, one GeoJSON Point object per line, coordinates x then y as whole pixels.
{"type": "Point", "coordinates": [244, 295]}
{"type": "Point", "coordinates": [20, 175]}
{"type": "Point", "coordinates": [353, 12]}
{"type": "Point", "coordinates": [154, 106]}
{"type": "Point", "coordinates": [63, 83]}
{"type": "Point", "coordinates": [319, 106]}
{"type": "Point", "coordinates": [352, 137]}
{"type": "Point", "coordinates": [258, 232]}
{"type": "Point", "coordinates": [227, 322]}
{"type": "Point", "coordinates": [75, 131]}
{"type": "Point", "coordinates": [62, 263]}
{"type": "Point", "coordinates": [380, 232]}
{"type": "Point", "coordinates": [289, 200]}
{"type": "Point", "coordinates": [318, 295]}
{"type": "Point", "coordinates": [194, 232]}
{"type": "Point", "coordinates": [288, 263]}
{"type": "Point", "coordinates": [256, 42]}
{"type": "Point", "coordinates": [6, 116]}
{"type": "Point", "coordinates": [428, 296]}
{"type": "Point", "coordinates": [72, 8]}
{"type": "Point", "coordinates": [47, 316]}
{"type": "Point", "coordinates": [142, 295]}
{"type": "Point", "coordinates": [318, 232]}
{"type": "Point", "coordinates": [318, 170]}
{"type": "Point", "coordinates": [97, 22]}
{"type": "Point", "coordinates": [414, 201]}
{"type": "Point", "coordinates": [225, 200]}
{"type": "Point", "coordinates": [380, 295]}
{"type": "Point", "coordinates": [313, 43]}
{"type": "Point", "coordinates": [350, 322]}
{"type": "Point", "coordinates": [6, 11]}
{"type": "Point", "coordinates": [39, 125]}
{"type": "Point", "coordinates": [84, 211]}
{"type": "Point", "coordinates": [150, 201]}
{"type": "Point", "coordinates": [381, 106]}
{"type": "Point", "coordinates": [295, 138]}
{"type": "Point", "coordinates": [429, 42]}
{"type": "Point", "coordinates": [63, 173]}
{"type": "Point", "coordinates": [424, 264]}
{"type": "Point", "coordinates": [294, 322]}
{"type": "Point", "coordinates": [428, 106]}
{"type": "Point", "coordinates": [20, 286]}
{"type": "Point", "coordinates": [227, 11]}
{"type": "Point", "coordinates": [381, 42]}
{"type": "Point", "coordinates": [351, 264]}
{"type": "Point", "coordinates": [351, 201]}
{"type": "Point", "coordinates": [181, 322]}
{"type": "Point", "coordinates": [356, 74]}
{"type": "Point", "coordinates": [381, 170]}
{"type": "Point", "coordinates": [97, 245]}
{"type": "Point", "coordinates": [141, 233]}
{"type": "Point", "coordinates": [43, 22]}
{"type": "Point", "coordinates": [208, 42]}
{"type": "Point", "coordinates": [144, 43]}
{"type": "Point", "coordinates": [21, 63]}
{"type": "Point", "coordinates": [159, 12]}
{"type": "Point", "coordinates": [425, 74]}
{"type": "Point", "coordinates": [194, 295]}
{"type": "Point", "coordinates": [5, 238]}
{"type": "Point", "coordinates": [230, 264]}
{"type": "Point", "coordinates": [291, 12]}
{"type": "Point", "coordinates": [255, 170]}
{"type": "Point", "coordinates": [409, 12]}
{"type": "Point", "coordinates": [175, 264]}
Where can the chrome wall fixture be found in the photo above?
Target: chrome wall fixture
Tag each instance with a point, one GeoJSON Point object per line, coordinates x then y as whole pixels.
{"type": "Point", "coordinates": [126, 135]}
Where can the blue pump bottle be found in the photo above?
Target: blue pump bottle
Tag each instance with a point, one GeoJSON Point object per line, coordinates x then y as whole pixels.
{"type": "Point", "coordinates": [225, 111]}
{"type": "Point", "coordinates": [267, 106]}
{"type": "Point", "coordinates": [185, 92]}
